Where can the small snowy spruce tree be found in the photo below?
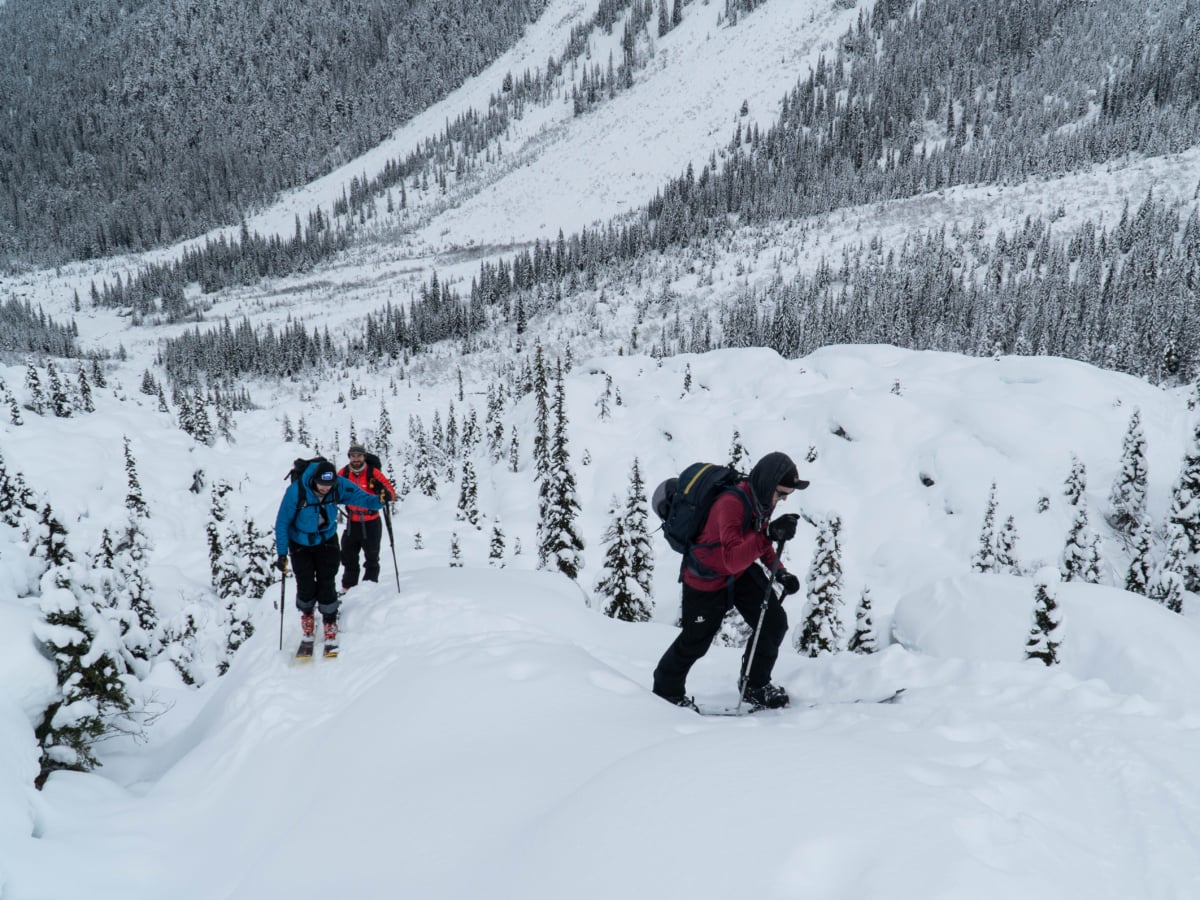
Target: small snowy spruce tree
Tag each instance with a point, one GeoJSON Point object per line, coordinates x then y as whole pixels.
{"type": "Point", "coordinates": [92, 697]}
{"type": "Point", "coordinates": [1043, 642]}
{"type": "Point", "coordinates": [1185, 513]}
{"type": "Point", "coordinates": [625, 580]}
{"type": "Point", "coordinates": [559, 544]}
{"type": "Point", "coordinates": [984, 559]}
{"type": "Point", "coordinates": [822, 627]}
{"type": "Point", "coordinates": [1128, 497]}
{"type": "Point", "coordinates": [864, 639]}
{"type": "Point", "coordinates": [1081, 553]}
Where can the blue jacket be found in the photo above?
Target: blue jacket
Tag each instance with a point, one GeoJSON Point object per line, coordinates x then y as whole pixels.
{"type": "Point", "coordinates": [316, 521]}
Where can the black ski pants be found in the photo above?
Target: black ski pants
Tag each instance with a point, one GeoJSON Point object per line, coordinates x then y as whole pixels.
{"type": "Point", "coordinates": [703, 612]}
{"type": "Point", "coordinates": [365, 537]}
{"type": "Point", "coordinates": [316, 571]}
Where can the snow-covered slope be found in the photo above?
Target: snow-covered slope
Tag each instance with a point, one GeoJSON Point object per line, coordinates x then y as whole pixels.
{"type": "Point", "coordinates": [487, 734]}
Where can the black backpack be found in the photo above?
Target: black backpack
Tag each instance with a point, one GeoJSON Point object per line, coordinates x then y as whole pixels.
{"type": "Point", "coordinates": [299, 464]}
{"type": "Point", "coordinates": [683, 504]}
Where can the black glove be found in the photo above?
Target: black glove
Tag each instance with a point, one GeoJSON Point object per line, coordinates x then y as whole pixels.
{"type": "Point", "coordinates": [783, 528]}
{"type": "Point", "coordinates": [789, 582]}
{"type": "Point", "coordinates": [281, 562]}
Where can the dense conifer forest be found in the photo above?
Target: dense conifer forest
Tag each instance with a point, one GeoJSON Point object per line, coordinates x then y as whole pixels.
{"type": "Point", "coordinates": [134, 123]}
{"type": "Point", "coordinates": [913, 98]}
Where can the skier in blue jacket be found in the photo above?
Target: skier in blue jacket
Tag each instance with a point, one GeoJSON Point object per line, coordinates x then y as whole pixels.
{"type": "Point", "coordinates": [306, 527]}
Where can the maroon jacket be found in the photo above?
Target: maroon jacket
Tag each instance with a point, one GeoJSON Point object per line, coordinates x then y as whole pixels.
{"type": "Point", "coordinates": [736, 548]}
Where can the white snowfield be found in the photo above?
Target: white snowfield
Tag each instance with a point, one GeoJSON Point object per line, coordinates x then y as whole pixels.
{"type": "Point", "coordinates": [486, 733]}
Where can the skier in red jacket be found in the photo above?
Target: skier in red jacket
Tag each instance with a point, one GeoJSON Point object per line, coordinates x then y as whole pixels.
{"type": "Point", "coordinates": [364, 530]}
{"type": "Point", "coordinates": [738, 533]}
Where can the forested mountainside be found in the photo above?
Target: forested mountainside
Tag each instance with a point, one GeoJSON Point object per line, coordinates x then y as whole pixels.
{"type": "Point", "coordinates": [128, 123]}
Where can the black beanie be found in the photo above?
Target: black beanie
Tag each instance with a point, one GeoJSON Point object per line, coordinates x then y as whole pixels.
{"type": "Point", "coordinates": [324, 473]}
{"type": "Point", "coordinates": [772, 470]}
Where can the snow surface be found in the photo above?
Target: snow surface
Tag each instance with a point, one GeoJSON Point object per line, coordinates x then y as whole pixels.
{"type": "Point", "coordinates": [486, 732]}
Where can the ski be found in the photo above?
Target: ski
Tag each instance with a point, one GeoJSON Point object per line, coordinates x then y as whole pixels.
{"type": "Point", "coordinates": [305, 651]}
{"type": "Point", "coordinates": [329, 651]}
{"type": "Point", "coordinates": [747, 710]}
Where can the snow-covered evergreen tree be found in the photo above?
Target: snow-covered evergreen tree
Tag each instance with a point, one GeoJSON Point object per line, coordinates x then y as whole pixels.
{"type": "Point", "coordinates": [1141, 568]}
{"type": "Point", "coordinates": [424, 474]}
{"type": "Point", "coordinates": [8, 400]}
{"type": "Point", "coordinates": [93, 696]}
{"type": "Point", "coordinates": [17, 501]}
{"type": "Point", "coordinates": [739, 456]}
{"type": "Point", "coordinates": [255, 549]}
{"type": "Point", "coordinates": [112, 601]}
{"type": "Point", "coordinates": [984, 559]}
{"type": "Point", "coordinates": [1128, 497]}
{"type": "Point", "coordinates": [1076, 483]}
{"type": "Point", "coordinates": [514, 451]}
{"type": "Point", "coordinates": [468, 495]}
{"type": "Point", "coordinates": [1168, 581]}
{"type": "Point", "coordinates": [1006, 548]}
{"type": "Point", "coordinates": [559, 544]}
{"type": "Point", "coordinates": [822, 628]}
{"type": "Point", "coordinates": [625, 581]}
{"type": "Point", "coordinates": [85, 402]}
{"type": "Point", "coordinates": [33, 384]}
{"type": "Point", "coordinates": [224, 576]}
{"type": "Point", "coordinates": [202, 427]}
{"type": "Point", "coordinates": [496, 546]}
{"type": "Point", "coordinates": [149, 386]}
{"type": "Point", "coordinates": [1185, 513]}
{"type": "Point", "coordinates": [1081, 553]}
{"type": "Point", "coordinates": [493, 423]}
{"type": "Point", "coordinates": [470, 433]}
{"type": "Point", "coordinates": [1043, 641]}
{"type": "Point", "coordinates": [541, 428]}
{"type": "Point", "coordinates": [383, 432]}
{"type": "Point", "coordinates": [134, 502]}
{"type": "Point", "coordinates": [179, 646]}
{"type": "Point", "coordinates": [864, 639]}
{"type": "Point", "coordinates": [604, 401]}
{"type": "Point", "coordinates": [60, 403]}
{"type": "Point", "coordinates": [132, 549]}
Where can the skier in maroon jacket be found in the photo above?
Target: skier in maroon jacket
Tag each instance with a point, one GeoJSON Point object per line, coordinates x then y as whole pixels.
{"type": "Point", "coordinates": [736, 536]}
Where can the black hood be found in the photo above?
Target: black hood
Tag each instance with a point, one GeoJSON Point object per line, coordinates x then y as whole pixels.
{"type": "Point", "coordinates": [772, 470]}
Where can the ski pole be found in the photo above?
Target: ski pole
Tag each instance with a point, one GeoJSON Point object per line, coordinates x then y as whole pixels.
{"type": "Point", "coordinates": [282, 598]}
{"type": "Point", "coordinates": [387, 518]}
{"type": "Point", "coordinates": [762, 614]}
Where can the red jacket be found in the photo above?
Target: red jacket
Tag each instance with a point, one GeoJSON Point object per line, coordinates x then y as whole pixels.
{"type": "Point", "coordinates": [735, 549]}
{"type": "Point", "coordinates": [373, 482]}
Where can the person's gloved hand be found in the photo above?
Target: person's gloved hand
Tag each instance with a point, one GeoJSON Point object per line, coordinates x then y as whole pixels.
{"type": "Point", "coordinates": [789, 582]}
{"type": "Point", "coordinates": [783, 528]}
{"type": "Point", "coordinates": [281, 562]}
